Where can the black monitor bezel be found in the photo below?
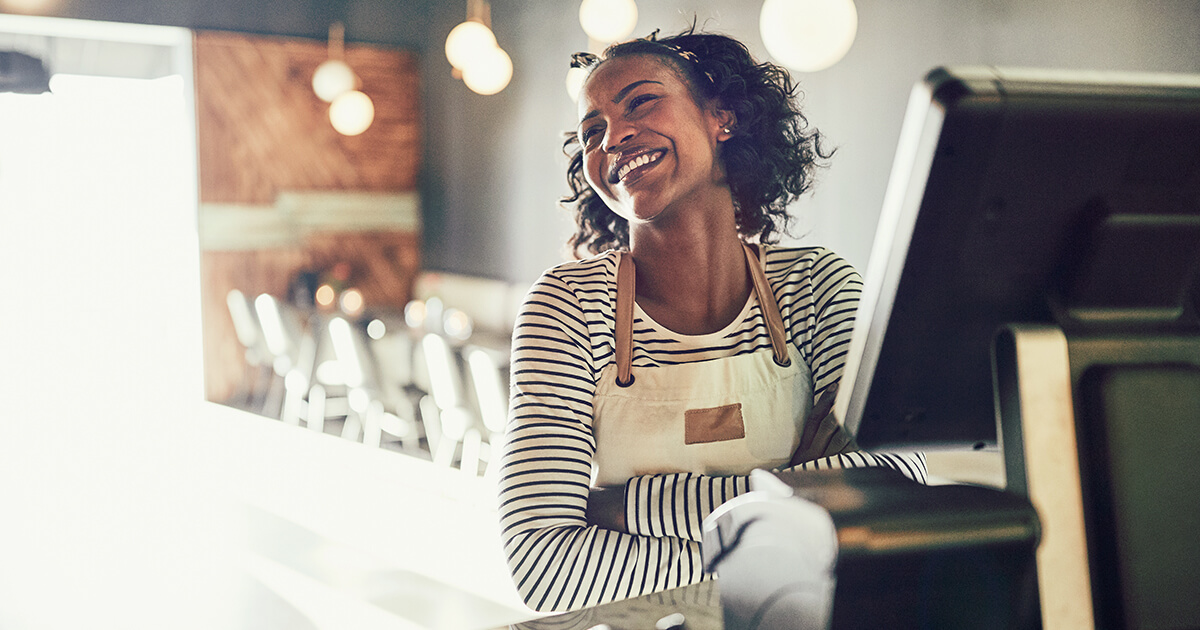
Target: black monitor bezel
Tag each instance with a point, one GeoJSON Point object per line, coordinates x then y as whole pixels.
{"type": "Point", "coordinates": [956, 118]}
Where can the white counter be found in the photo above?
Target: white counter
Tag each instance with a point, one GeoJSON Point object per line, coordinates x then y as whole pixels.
{"type": "Point", "coordinates": [208, 517]}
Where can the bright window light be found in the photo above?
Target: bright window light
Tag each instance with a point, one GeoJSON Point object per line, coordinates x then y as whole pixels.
{"type": "Point", "coordinates": [97, 186]}
{"type": "Point", "coordinates": [101, 338]}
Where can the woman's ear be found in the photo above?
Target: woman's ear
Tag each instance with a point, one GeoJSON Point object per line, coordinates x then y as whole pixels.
{"type": "Point", "coordinates": [727, 123]}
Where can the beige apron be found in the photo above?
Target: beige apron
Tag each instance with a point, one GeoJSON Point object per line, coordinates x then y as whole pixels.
{"type": "Point", "coordinates": [723, 416]}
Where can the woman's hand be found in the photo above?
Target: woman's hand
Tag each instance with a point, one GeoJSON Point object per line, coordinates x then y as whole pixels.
{"type": "Point", "coordinates": [823, 435]}
{"type": "Point", "coordinates": [606, 508]}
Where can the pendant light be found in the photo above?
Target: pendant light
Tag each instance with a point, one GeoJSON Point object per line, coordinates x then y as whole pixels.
{"type": "Point", "coordinates": [474, 55]}
{"type": "Point", "coordinates": [466, 41]}
{"type": "Point", "coordinates": [351, 111]}
{"type": "Point", "coordinates": [574, 81]}
{"type": "Point", "coordinates": [333, 77]}
{"type": "Point", "coordinates": [808, 35]}
{"type": "Point", "coordinates": [489, 73]}
{"type": "Point", "coordinates": [607, 21]}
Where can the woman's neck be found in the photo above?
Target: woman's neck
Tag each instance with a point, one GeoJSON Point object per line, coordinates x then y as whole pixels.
{"type": "Point", "coordinates": [691, 275]}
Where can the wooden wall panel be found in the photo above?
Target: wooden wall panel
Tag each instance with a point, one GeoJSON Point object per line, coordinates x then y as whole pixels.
{"type": "Point", "coordinates": [262, 131]}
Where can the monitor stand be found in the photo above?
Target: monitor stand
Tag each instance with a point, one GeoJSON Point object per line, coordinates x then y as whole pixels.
{"type": "Point", "coordinates": [1036, 418]}
{"type": "Point", "coordinates": [1099, 429]}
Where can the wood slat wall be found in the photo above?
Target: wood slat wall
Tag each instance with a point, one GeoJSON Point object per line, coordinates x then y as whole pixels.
{"type": "Point", "coordinates": [262, 131]}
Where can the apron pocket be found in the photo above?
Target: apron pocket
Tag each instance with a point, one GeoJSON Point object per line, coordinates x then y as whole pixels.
{"type": "Point", "coordinates": [714, 424]}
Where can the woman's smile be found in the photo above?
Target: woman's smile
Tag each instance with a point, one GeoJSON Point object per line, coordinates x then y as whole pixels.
{"type": "Point", "coordinates": [631, 168]}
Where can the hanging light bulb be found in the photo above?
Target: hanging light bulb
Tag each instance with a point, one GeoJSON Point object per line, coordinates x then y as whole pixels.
{"type": "Point", "coordinates": [333, 77]}
{"type": "Point", "coordinates": [808, 35]}
{"type": "Point", "coordinates": [471, 38]}
{"type": "Point", "coordinates": [472, 49]}
{"type": "Point", "coordinates": [489, 73]}
{"type": "Point", "coordinates": [468, 41]}
{"type": "Point", "coordinates": [608, 21]}
{"type": "Point", "coordinates": [575, 79]}
{"type": "Point", "coordinates": [351, 113]}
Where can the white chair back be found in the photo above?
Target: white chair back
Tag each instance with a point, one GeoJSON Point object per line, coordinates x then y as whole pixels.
{"type": "Point", "coordinates": [491, 391]}
{"type": "Point", "coordinates": [245, 326]}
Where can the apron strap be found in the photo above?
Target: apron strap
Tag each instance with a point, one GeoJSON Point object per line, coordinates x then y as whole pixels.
{"type": "Point", "coordinates": [627, 290]}
{"type": "Point", "coordinates": [770, 307]}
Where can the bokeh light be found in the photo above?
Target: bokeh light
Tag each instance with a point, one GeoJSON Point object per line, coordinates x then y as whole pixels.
{"type": "Point", "coordinates": [352, 113]}
{"type": "Point", "coordinates": [325, 295]}
{"type": "Point", "coordinates": [808, 35]}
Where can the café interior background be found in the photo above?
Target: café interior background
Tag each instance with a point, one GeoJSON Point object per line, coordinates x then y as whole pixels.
{"type": "Point", "coordinates": [492, 167]}
{"type": "Point", "coordinates": [485, 185]}
{"type": "Point", "coordinates": [485, 173]}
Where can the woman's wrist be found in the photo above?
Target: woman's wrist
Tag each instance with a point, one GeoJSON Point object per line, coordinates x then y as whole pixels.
{"type": "Point", "coordinates": [606, 508]}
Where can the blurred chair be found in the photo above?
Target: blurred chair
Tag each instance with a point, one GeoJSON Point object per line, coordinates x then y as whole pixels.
{"type": "Point", "coordinates": [291, 348]}
{"type": "Point", "coordinates": [392, 345]}
{"type": "Point", "coordinates": [314, 389]}
{"type": "Point", "coordinates": [490, 384]}
{"type": "Point", "coordinates": [456, 424]}
{"type": "Point", "coordinates": [431, 421]}
{"type": "Point", "coordinates": [418, 320]}
{"type": "Point", "coordinates": [293, 341]}
{"type": "Point", "coordinates": [253, 392]}
{"type": "Point", "coordinates": [369, 413]}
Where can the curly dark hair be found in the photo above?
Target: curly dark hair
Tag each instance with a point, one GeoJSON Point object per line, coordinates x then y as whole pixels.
{"type": "Point", "coordinates": [768, 162]}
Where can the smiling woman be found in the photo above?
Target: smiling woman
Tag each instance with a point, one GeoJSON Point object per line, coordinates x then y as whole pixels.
{"type": "Point", "coordinates": [624, 169]}
{"type": "Point", "coordinates": [650, 378]}
{"type": "Point", "coordinates": [769, 159]}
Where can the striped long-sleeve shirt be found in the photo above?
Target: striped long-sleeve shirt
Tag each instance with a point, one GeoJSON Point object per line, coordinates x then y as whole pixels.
{"type": "Point", "coordinates": [562, 340]}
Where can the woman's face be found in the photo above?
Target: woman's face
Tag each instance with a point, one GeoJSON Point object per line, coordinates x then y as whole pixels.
{"type": "Point", "coordinates": [647, 144]}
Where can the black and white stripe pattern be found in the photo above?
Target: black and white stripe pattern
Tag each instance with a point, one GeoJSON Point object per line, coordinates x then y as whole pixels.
{"type": "Point", "coordinates": [667, 505]}
{"type": "Point", "coordinates": [562, 341]}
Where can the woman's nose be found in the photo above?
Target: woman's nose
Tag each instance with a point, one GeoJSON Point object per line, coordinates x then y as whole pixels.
{"type": "Point", "coordinates": [617, 135]}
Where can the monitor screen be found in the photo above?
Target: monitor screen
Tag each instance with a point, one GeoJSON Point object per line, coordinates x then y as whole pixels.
{"type": "Point", "coordinates": [1067, 198]}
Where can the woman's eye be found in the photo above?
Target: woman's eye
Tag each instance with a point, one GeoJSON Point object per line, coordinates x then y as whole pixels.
{"type": "Point", "coordinates": [640, 100]}
{"type": "Point", "coordinates": [588, 134]}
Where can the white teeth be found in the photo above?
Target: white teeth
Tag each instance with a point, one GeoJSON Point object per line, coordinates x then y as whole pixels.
{"type": "Point", "coordinates": [645, 158]}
